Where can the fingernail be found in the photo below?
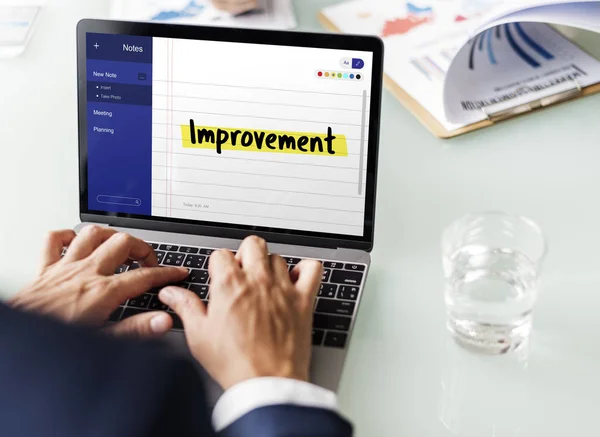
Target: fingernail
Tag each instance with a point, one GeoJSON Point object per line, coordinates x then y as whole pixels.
{"type": "Point", "coordinates": [159, 323]}
{"type": "Point", "coordinates": [167, 294]}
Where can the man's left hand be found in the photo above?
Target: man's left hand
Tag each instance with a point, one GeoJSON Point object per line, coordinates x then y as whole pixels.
{"type": "Point", "coordinates": [81, 287]}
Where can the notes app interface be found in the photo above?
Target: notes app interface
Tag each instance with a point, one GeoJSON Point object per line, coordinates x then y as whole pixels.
{"type": "Point", "coordinates": [231, 133]}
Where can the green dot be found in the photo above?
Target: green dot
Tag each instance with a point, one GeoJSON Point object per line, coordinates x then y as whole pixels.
{"type": "Point", "coordinates": [340, 75]}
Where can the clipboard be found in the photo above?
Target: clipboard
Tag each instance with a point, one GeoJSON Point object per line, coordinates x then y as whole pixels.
{"type": "Point", "coordinates": [436, 128]}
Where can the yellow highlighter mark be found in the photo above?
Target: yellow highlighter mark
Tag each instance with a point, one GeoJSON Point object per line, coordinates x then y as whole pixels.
{"type": "Point", "coordinates": [220, 138]}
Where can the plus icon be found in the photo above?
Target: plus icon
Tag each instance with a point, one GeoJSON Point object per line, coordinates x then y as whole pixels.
{"type": "Point", "coordinates": [96, 45]}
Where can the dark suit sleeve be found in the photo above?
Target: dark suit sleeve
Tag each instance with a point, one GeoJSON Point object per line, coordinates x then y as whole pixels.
{"type": "Point", "coordinates": [289, 421]}
{"type": "Point", "coordinates": [64, 381]}
{"type": "Point", "coordinates": [73, 382]}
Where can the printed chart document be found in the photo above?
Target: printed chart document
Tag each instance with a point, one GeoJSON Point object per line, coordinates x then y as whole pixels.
{"type": "Point", "coordinates": [270, 14]}
{"type": "Point", "coordinates": [463, 59]}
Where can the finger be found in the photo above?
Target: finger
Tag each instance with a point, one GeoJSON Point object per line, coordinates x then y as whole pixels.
{"type": "Point", "coordinates": [120, 248]}
{"type": "Point", "coordinates": [147, 325]}
{"type": "Point", "coordinates": [55, 242]}
{"type": "Point", "coordinates": [254, 257]}
{"type": "Point", "coordinates": [280, 269]}
{"type": "Point", "coordinates": [88, 240]}
{"type": "Point", "coordinates": [186, 304]}
{"type": "Point", "coordinates": [135, 282]}
{"type": "Point", "coordinates": [224, 270]}
{"type": "Point", "coordinates": [309, 274]}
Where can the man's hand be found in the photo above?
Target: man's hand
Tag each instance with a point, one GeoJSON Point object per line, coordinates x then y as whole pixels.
{"type": "Point", "coordinates": [259, 319]}
{"type": "Point", "coordinates": [82, 288]}
{"type": "Point", "coordinates": [235, 7]}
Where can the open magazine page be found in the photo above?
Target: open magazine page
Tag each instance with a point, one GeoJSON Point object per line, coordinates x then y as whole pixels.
{"type": "Point", "coordinates": [514, 64]}
{"type": "Point", "coordinates": [421, 39]}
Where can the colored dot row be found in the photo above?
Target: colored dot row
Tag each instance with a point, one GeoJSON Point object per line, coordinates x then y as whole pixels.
{"type": "Point", "coordinates": [336, 75]}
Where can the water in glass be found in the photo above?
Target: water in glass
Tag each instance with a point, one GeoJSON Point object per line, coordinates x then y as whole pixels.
{"type": "Point", "coordinates": [490, 293]}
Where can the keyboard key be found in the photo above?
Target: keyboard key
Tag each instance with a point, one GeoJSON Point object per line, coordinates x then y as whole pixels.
{"type": "Point", "coordinates": [335, 339]}
{"type": "Point", "coordinates": [291, 260]}
{"type": "Point", "coordinates": [160, 256]}
{"type": "Point", "coordinates": [116, 314]}
{"type": "Point", "coordinates": [317, 337]}
{"type": "Point", "coordinates": [129, 312]}
{"type": "Point", "coordinates": [326, 321]}
{"type": "Point", "coordinates": [121, 269]}
{"type": "Point", "coordinates": [355, 267]}
{"type": "Point", "coordinates": [185, 284]}
{"type": "Point", "coordinates": [198, 276]}
{"type": "Point", "coordinates": [177, 323]}
{"type": "Point", "coordinates": [134, 265]}
{"type": "Point", "coordinates": [327, 290]}
{"type": "Point", "coordinates": [140, 301]}
{"type": "Point", "coordinates": [326, 275]}
{"type": "Point", "coordinates": [346, 277]}
{"type": "Point", "coordinates": [188, 249]}
{"type": "Point", "coordinates": [173, 259]}
{"type": "Point", "coordinates": [206, 251]}
{"type": "Point", "coordinates": [154, 245]}
{"type": "Point", "coordinates": [333, 265]}
{"type": "Point", "coordinates": [169, 247]}
{"type": "Point", "coordinates": [332, 306]}
{"type": "Point", "coordinates": [157, 305]}
{"type": "Point", "coordinates": [200, 290]}
{"type": "Point", "coordinates": [194, 261]}
{"type": "Point", "coordinates": [154, 290]}
{"type": "Point", "coordinates": [348, 292]}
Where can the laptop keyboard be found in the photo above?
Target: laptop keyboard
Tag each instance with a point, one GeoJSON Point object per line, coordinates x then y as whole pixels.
{"type": "Point", "coordinates": [334, 308]}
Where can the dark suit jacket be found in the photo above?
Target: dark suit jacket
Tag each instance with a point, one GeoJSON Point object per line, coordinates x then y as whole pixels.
{"type": "Point", "coordinates": [63, 381]}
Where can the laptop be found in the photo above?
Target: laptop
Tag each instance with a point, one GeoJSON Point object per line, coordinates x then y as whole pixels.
{"type": "Point", "coordinates": [192, 138]}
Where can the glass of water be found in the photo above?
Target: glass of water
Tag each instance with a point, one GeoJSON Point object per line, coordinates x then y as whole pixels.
{"type": "Point", "coordinates": [492, 263]}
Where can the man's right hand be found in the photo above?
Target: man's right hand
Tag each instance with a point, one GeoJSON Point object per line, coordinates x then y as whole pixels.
{"type": "Point", "coordinates": [259, 319]}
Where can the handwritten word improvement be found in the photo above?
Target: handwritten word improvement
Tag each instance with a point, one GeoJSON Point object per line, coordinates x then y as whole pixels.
{"type": "Point", "coordinates": [220, 139]}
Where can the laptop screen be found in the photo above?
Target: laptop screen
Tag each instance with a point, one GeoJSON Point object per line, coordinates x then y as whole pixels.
{"type": "Point", "coordinates": [252, 136]}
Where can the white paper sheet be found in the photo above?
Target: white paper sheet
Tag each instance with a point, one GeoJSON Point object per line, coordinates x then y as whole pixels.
{"type": "Point", "coordinates": [17, 22]}
{"type": "Point", "coordinates": [272, 14]}
{"type": "Point", "coordinates": [421, 39]}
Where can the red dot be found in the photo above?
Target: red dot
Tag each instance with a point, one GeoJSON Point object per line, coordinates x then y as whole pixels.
{"type": "Point", "coordinates": [320, 73]}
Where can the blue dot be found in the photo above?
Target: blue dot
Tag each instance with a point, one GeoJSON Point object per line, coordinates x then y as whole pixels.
{"type": "Point", "coordinates": [345, 75]}
{"type": "Point", "coordinates": [351, 76]}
